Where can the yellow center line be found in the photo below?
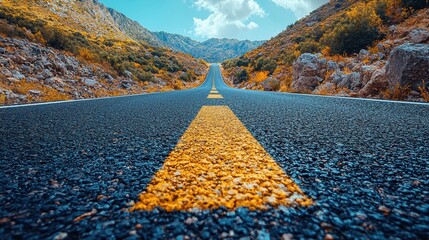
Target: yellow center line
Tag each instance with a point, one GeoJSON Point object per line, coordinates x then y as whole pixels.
{"type": "Point", "coordinates": [214, 96]}
{"type": "Point", "coordinates": [218, 162]}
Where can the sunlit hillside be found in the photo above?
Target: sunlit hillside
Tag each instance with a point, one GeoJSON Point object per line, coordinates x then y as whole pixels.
{"type": "Point", "coordinates": [349, 42]}
{"type": "Point", "coordinates": [87, 31]}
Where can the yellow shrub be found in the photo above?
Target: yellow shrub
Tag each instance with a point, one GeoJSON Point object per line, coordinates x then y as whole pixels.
{"type": "Point", "coordinates": [260, 76]}
{"type": "Point", "coordinates": [39, 38]}
{"type": "Point", "coordinates": [326, 51]}
{"type": "Point", "coordinates": [87, 54]}
{"type": "Point", "coordinates": [424, 91]}
{"type": "Point", "coordinates": [397, 93]}
{"type": "Point", "coordinates": [347, 70]}
{"type": "Point", "coordinates": [2, 99]}
{"type": "Point", "coordinates": [48, 94]}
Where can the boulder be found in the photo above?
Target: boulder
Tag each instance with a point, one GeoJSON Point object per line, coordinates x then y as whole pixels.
{"type": "Point", "coordinates": [54, 81]}
{"type": "Point", "coordinates": [19, 59]}
{"type": "Point", "coordinates": [4, 62]}
{"type": "Point", "coordinates": [17, 75]}
{"type": "Point", "coordinates": [5, 72]}
{"type": "Point", "coordinates": [47, 74]}
{"type": "Point", "coordinates": [363, 54]}
{"type": "Point", "coordinates": [25, 69]}
{"type": "Point", "coordinates": [108, 78]}
{"type": "Point", "coordinates": [377, 84]}
{"type": "Point", "coordinates": [128, 74]}
{"type": "Point", "coordinates": [35, 92]}
{"type": "Point", "coordinates": [366, 73]}
{"type": "Point", "coordinates": [89, 82]}
{"type": "Point", "coordinates": [408, 65]}
{"type": "Point", "coordinates": [127, 84]}
{"type": "Point", "coordinates": [351, 81]}
{"type": "Point", "coordinates": [332, 66]}
{"type": "Point", "coordinates": [12, 80]}
{"type": "Point", "coordinates": [325, 88]}
{"type": "Point", "coordinates": [337, 77]}
{"type": "Point", "coordinates": [308, 72]}
{"type": "Point", "coordinates": [418, 35]}
{"type": "Point", "coordinates": [271, 84]}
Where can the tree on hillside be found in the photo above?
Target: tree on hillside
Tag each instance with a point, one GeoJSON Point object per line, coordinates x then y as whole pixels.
{"type": "Point", "coordinates": [359, 29]}
{"type": "Point", "coordinates": [241, 76]}
{"type": "Point", "coordinates": [416, 4]}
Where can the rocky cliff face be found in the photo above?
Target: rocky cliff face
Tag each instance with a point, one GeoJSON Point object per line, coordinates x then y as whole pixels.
{"type": "Point", "coordinates": [399, 68]}
{"type": "Point", "coordinates": [134, 29]}
{"type": "Point", "coordinates": [31, 72]}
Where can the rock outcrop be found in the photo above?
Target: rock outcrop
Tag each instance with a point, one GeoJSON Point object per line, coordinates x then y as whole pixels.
{"type": "Point", "coordinates": [31, 72]}
{"type": "Point", "coordinates": [308, 72]}
{"type": "Point", "coordinates": [376, 84]}
{"type": "Point", "coordinates": [271, 84]}
{"type": "Point", "coordinates": [408, 65]}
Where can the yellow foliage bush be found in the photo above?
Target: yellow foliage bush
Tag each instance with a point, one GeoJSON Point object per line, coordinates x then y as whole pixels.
{"type": "Point", "coordinates": [359, 28]}
{"type": "Point", "coordinates": [424, 91]}
{"type": "Point", "coordinates": [87, 54]}
{"type": "Point", "coordinates": [2, 99]}
{"type": "Point", "coordinates": [397, 93]}
{"type": "Point", "coordinates": [260, 76]}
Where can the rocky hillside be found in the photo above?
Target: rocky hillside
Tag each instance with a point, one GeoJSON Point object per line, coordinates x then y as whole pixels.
{"type": "Point", "coordinates": [212, 50]}
{"type": "Point", "coordinates": [375, 48]}
{"type": "Point", "coordinates": [70, 49]}
{"type": "Point", "coordinates": [133, 29]}
{"type": "Point", "coordinates": [176, 41]}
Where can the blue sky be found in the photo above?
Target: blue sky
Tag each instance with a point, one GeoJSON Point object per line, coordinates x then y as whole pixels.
{"type": "Point", "coordinates": [204, 19]}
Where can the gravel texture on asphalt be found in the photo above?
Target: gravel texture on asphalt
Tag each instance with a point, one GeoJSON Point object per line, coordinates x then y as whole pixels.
{"type": "Point", "coordinates": [72, 170]}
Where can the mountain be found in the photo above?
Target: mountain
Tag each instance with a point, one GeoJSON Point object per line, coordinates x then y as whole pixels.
{"type": "Point", "coordinates": [218, 50]}
{"type": "Point", "coordinates": [71, 49]}
{"type": "Point", "coordinates": [347, 48]}
{"type": "Point", "coordinates": [133, 29]}
{"type": "Point", "coordinates": [212, 50]}
{"type": "Point", "coordinates": [177, 42]}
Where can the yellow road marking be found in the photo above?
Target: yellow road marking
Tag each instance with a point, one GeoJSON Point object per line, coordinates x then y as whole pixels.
{"type": "Point", "coordinates": [211, 95]}
{"type": "Point", "coordinates": [218, 162]}
{"type": "Point", "coordinates": [214, 91]}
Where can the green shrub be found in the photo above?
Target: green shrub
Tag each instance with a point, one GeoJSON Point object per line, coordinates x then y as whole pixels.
{"type": "Point", "coordinates": [265, 64]}
{"type": "Point", "coordinates": [359, 29]}
{"type": "Point", "coordinates": [288, 57]}
{"type": "Point", "coordinates": [242, 62]}
{"type": "Point", "coordinates": [309, 46]}
{"type": "Point", "coordinates": [415, 4]}
{"type": "Point", "coordinates": [144, 76]}
{"type": "Point", "coordinates": [188, 76]}
{"type": "Point", "coordinates": [241, 76]}
{"type": "Point", "coordinates": [381, 7]}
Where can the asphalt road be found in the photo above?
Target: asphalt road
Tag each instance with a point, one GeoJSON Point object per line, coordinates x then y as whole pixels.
{"type": "Point", "coordinates": [364, 163]}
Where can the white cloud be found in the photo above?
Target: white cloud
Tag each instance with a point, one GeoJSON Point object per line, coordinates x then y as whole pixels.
{"type": "Point", "coordinates": [300, 7]}
{"type": "Point", "coordinates": [228, 18]}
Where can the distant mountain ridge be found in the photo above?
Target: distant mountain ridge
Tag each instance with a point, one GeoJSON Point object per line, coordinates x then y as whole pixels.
{"type": "Point", "coordinates": [212, 50]}
{"type": "Point", "coordinates": [133, 28]}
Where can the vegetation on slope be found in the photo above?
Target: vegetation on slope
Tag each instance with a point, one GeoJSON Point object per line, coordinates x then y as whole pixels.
{"type": "Point", "coordinates": [87, 30]}
{"type": "Point", "coordinates": [337, 30]}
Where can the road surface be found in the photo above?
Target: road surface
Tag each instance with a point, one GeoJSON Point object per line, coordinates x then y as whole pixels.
{"type": "Point", "coordinates": [76, 169]}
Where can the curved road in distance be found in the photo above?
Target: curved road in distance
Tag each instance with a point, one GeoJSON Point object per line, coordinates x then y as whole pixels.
{"type": "Point", "coordinates": [73, 169]}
